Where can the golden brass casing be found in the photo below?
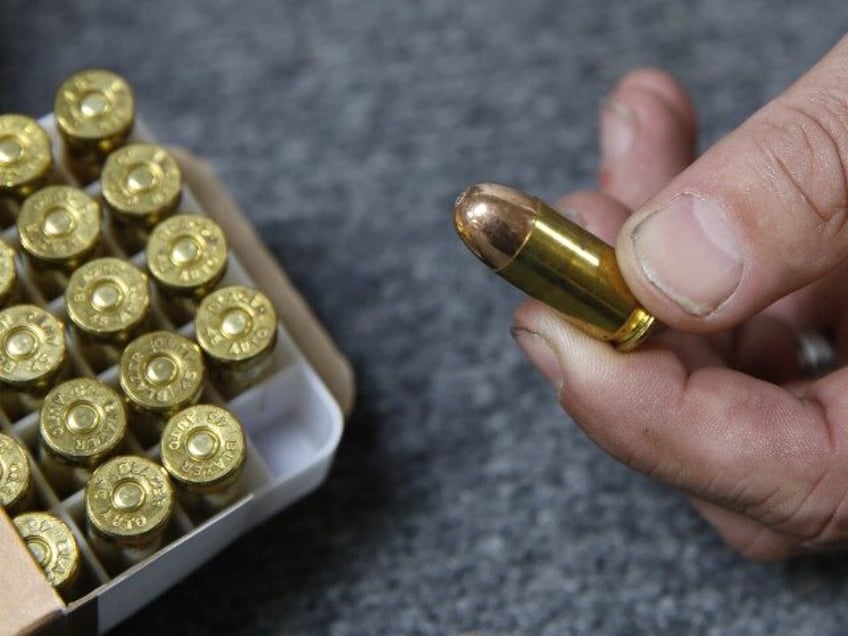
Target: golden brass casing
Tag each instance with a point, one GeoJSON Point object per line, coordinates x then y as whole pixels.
{"type": "Point", "coordinates": [32, 347]}
{"type": "Point", "coordinates": [141, 184]}
{"type": "Point", "coordinates": [95, 111]}
{"type": "Point", "coordinates": [162, 372]}
{"type": "Point", "coordinates": [128, 504]}
{"type": "Point", "coordinates": [15, 476]}
{"type": "Point", "coordinates": [83, 422]}
{"type": "Point", "coordinates": [59, 226]}
{"type": "Point", "coordinates": [26, 159]}
{"type": "Point", "coordinates": [552, 259]}
{"type": "Point", "coordinates": [108, 299]}
{"type": "Point", "coordinates": [53, 546]}
{"type": "Point", "coordinates": [236, 326]}
{"type": "Point", "coordinates": [187, 255]}
{"type": "Point", "coordinates": [8, 273]}
{"type": "Point", "coordinates": [204, 450]}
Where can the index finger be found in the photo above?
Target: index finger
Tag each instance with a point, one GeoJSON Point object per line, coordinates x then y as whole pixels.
{"type": "Point", "coordinates": [718, 434]}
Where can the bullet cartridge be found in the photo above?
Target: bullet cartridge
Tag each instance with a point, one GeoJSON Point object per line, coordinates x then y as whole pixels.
{"type": "Point", "coordinates": [82, 423]}
{"type": "Point", "coordinates": [8, 274]}
{"type": "Point", "coordinates": [161, 373]}
{"type": "Point", "coordinates": [16, 489]}
{"type": "Point", "coordinates": [26, 160]}
{"type": "Point", "coordinates": [32, 356]}
{"type": "Point", "coordinates": [187, 254]}
{"type": "Point", "coordinates": [186, 257]}
{"type": "Point", "coordinates": [203, 450]}
{"type": "Point", "coordinates": [95, 112]}
{"type": "Point", "coordinates": [107, 300]}
{"type": "Point", "coordinates": [128, 504]}
{"type": "Point", "coordinates": [552, 259]}
{"type": "Point", "coordinates": [59, 226]}
{"type": "Point", "coordinates": [141, 185]}
{"type": "Point", "coordinates": [53, 546]}
{"type": "Point", "coordinates": [32, 347]}
{"type": "Point", "coordinates": [236, 327]}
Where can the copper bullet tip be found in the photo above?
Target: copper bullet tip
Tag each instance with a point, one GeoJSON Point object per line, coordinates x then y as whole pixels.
{"type": "Point", "coordinates": [494, 221]}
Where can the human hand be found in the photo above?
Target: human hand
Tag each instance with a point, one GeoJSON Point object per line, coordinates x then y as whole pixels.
{"type": "Point", "coordinates": [738, 253]}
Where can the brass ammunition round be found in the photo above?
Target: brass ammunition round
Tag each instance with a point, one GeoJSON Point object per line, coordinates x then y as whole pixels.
{"type": "Point", "coordinates": [26, 159]}
{"type": "Point", "coordinates": [203, 450]}
{"type": "Point", "coordinates": [15, 477]}
{"type": "Point", "coordinates": [59, 226]}
{"type": "Point", "coordinates": [187, 254]}
{"type": "Point", "coordinates": [141, 184]}
{"type": "Point", "coordinates": [552, 259]}
{"type": "Point", "coordinates": [107, 299]}
{"type": "Point", "coordinates": [162, 372]}
{"type": "Point", "coordinates": [236, 325]}
{"type": "Point", "coordinates": [32, 347]}
{"type": "Point", "coordinates": [128, 504]}
{"type": "Point", "coordinates": [94, 111]}
{"type": "Point", "coordinates": [8, 273]}
{"type": "Point", "coordinates": [82, 423]}
{"type": "Point", "coordinates": [53, 546]}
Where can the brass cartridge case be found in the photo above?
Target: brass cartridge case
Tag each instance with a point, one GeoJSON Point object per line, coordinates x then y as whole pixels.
{"type": "Point", "coordinates": [95, 112]}
{"type": "Point", "coordinates": [554, 260]}
{"type": "Point", "coordinates": [8, 274]}
{"type": "Point", "coordinates": [236, 326]}
{"type": "Point", "coordinates": [32, 354]}
{"type": "Point", "coordinates": [141, 185]}
{"type": "Point", "coordinates": [16, 489]}
{"type": "Point", "coordinates": [203, 450]}
{"type": "Point", "coordinates": [26, 159]}
{"type": "Point", "coordinates": [83, 422]}
{"type": "Point", "coordinates": [186, 257]}
{"type": "Point", "coordinates": [161, 373]}
{"type": "Point", "coordinates": [58, 227]}
{"type": "Point", "coordinates": [107, 301]}
{"type": "Point", "coordinates": [53, 546]}
{"type": "Point", "coordinates": [128, 504]}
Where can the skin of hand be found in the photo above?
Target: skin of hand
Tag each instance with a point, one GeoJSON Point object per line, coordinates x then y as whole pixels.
{"type": "Point", "coordinates": [735, 251]}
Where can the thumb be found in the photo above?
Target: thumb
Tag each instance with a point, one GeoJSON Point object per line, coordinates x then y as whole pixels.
{"type": "Point", "coordinates": [759, 215]}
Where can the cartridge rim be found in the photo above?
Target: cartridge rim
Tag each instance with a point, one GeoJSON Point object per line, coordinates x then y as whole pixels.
{"type": "Point", "coordinates": [52, 545]}
{"type": "Point", "coordinates": [32, 346]}
{"type": "Point", "coordinates": [95, 107]}
{"type": "Point", "coordinates": [25, 155]}
{"type": "Point", "coordinates": [235, 324]}
{"type": "Point", "coordinates": [203, 447]}
{"type": "Point", "coordinates": [14, 472]}
{"type": "Point", "coordinates": [162, 372]}
{"type": "Point", "coordinates": [187, 253]}
{"type": "Point", "coordinates": [107, 298]}
{"type": "Point", "coordinates": [8, 273]}
{"type": "Point", "coordinates": [128, 499]}
{"type": "Point", "coordinates": [82, 421]}
{"type": "Point", "coordinates": [141, 182]}
{"type": "Point", "coordinates": [59, 224]}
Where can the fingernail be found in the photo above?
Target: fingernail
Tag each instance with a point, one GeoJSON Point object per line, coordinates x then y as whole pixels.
{"type": "Point", "coordinates": [690, 252]}
{"type": "Point", "coordinates": [540, 353]}
{"type": "Point", "coordinates": [618, 129]}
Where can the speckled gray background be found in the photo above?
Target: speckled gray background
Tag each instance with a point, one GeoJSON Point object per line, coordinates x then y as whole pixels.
{"type": "Point", "coordinates": [462, 500]}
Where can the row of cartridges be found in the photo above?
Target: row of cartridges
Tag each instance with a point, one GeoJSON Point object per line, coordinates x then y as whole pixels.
{"type": "Point", "coordinates": [77, 304]}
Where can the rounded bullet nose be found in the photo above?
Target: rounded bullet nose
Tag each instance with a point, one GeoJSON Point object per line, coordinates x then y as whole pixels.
{"type": "Point", "coordinates": [469, 213]}
{"type": "Point", "coordinates": [494, 221]}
